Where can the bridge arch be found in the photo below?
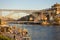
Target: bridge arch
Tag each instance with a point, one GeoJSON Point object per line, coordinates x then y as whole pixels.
{"type": "Point", "coordinates": [17, 15]}
{"type": "Point", "coordinates": [14, 12]}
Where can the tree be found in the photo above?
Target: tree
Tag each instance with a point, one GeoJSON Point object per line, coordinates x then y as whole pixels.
{"type": "Point", "coordinates": [0, 21]}
{"type": "Point", "coordinates": [4, 38]}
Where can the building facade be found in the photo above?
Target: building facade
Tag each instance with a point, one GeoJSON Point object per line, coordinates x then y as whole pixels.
{"type": "Point", "coordinates": [50, 13]}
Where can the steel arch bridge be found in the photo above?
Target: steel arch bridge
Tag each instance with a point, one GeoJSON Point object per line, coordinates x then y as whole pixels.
{"type": "Point", "coordinates": [11, 12]}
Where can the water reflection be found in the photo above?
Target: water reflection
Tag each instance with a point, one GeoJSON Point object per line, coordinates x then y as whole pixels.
{"type": "Point", "coordinates": [38, 32]}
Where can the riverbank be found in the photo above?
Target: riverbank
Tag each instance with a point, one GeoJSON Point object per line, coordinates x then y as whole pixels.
{"type": "Point", "coordinates": [14, 32]}
{"type": "Point", "coordinates": [43, 23]}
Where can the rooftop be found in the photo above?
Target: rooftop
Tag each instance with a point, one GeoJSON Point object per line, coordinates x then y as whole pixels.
{"type": "Point", "coordinates": [56, 5]}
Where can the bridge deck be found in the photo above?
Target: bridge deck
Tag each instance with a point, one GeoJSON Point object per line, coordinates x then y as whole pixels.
{"type": "Point", "coordinates": [22, 22]}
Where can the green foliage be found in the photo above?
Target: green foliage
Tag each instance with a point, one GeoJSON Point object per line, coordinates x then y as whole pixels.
{"type": "Point", "coordinates": [4, 38]}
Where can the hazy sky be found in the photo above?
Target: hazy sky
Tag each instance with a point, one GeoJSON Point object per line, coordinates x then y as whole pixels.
{"type": "Point", "coordinates": [27, 4]}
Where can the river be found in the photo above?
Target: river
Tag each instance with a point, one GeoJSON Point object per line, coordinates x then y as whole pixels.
{"type": "Point", "coordinates": [38, 32]}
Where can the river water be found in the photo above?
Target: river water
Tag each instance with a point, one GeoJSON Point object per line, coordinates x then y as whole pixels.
{"type": "Point", "coordinates": [38, 32]}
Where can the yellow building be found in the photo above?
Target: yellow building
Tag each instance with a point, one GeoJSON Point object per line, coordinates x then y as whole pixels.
{"type": "Point", "coordinates": [56, 7]}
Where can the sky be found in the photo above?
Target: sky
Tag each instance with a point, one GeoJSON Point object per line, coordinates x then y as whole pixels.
{"type": "Point", "coordinates": [26, 4]}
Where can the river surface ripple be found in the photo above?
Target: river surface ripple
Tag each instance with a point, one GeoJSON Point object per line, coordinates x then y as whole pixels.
{"type": "Point", "coordinates": [38, 32]}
